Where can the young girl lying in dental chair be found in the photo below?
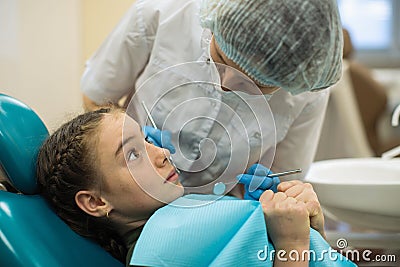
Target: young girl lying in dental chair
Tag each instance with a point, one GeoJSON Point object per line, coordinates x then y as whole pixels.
{"type": "Point", "coordinates": [113, 188]}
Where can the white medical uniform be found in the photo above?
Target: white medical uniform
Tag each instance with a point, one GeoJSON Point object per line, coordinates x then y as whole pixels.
{"type": "Point", "coordinates": [157, 34]}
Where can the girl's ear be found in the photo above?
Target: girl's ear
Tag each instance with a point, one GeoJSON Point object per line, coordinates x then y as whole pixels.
{"type": "Point", "coordinates": [93, 205]}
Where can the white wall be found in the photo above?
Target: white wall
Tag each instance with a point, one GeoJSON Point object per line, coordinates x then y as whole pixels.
{"type": "Point", "coordinates": [41, 56]}
{"type": "Point", "coordinates": [99, 18]}
{"type": "Point", "coordinates": [43, 47]}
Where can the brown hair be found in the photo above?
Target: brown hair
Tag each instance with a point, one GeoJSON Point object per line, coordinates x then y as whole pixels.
{"type": "Point", "coordinates": [66, 164]}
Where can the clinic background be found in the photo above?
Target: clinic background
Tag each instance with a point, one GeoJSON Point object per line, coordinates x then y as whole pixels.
{"type": "Point", "coordinates": [43, 48]}
{"type": "Point", "coordinates": [44, 45]}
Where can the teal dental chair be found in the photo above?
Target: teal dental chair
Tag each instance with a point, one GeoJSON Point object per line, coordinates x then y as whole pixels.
{"type": "Point", "coordinates": [31, 234]}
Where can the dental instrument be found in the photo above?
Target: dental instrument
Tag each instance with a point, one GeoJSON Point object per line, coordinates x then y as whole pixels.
{"type": "Point", "coordinates": [155, 127]}
{"type": "Point", "coordinates": [219, 188]}
{"type": "Point", "coordinates": [255, 183]}
{"type": "Point", "coordinates": [284, 173]}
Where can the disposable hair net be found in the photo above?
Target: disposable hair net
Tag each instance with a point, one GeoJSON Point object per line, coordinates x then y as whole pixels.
{"type": "Point", "coordinates": [292, 44]}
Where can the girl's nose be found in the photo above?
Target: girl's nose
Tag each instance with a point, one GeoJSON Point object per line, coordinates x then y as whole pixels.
{"type": "Point", "coordinates": [161, 155]}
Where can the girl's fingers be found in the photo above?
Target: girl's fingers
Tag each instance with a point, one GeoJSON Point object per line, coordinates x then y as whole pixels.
{"type": "Point", "coordinates": [267, 196]}
{"type": "Point", "coordinates": [283, 186]}
{"type": "Point", "coordinates": [303, 192]}
{"type": "Point", "coordinates": [278, 197]}
{"type": "Point", "coordinates": [294, 191]}
{"type": "Point", "coordinates": [313, 208]}
{"type": "Point", "coordinates": [256, 194]}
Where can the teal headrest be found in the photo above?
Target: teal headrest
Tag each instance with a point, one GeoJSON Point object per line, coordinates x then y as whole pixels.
{"type": "Point", "coordinates": [21, 134]}
{"type": "Point", "coordinates": [33, 235]}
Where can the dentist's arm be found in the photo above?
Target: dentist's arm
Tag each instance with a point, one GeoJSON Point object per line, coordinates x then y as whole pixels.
{"type": "Point", "coordinates": [111, 73]}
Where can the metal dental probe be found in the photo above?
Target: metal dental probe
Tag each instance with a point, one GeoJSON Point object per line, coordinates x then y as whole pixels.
{"type": "Point", "coordinates": [254, 184]}
{"type": "Point", "coordinates": [284, 173]}
{"type": "Point", "coordinates": [155, 127]}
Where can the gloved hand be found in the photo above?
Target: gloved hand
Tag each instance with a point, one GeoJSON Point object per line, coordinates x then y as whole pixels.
{"type": "Point", "coordinates": [159, 138]}
{"type": "Point", "coordinates": [256, 181]}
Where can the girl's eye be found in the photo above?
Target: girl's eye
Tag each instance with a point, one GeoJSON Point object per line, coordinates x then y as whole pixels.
{"type": "Point", "coordinates": [147, 139]}
{"type": "Point", "coordinates": [132, 155]}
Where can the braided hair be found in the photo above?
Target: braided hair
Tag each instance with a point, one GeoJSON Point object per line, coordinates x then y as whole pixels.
{"type": "Point", "coordinates": [66, 164]}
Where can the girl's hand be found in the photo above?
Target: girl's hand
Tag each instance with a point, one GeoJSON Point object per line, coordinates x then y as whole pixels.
{"type": "Point", "coordinates": [287, 221]}
{"type": "Point", "coordinates": [304, 192]}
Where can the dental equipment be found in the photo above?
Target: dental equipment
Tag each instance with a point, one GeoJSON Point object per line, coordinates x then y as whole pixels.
{"type": "Point", "coordinates": [284, 173]}
{"type": "Point", "coordinates": [155, 127]}
{"type": "Point", "coordinates": [219, 188]}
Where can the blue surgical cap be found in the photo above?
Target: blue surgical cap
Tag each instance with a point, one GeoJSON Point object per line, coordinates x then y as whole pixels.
{"type": "Point", "coordinates": [293, 44]}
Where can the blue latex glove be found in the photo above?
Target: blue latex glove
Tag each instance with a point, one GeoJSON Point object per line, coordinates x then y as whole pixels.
{"type": "Point", "coordinates": [256, 179]}
{"type": "Point", "coordinates": [159, 138]}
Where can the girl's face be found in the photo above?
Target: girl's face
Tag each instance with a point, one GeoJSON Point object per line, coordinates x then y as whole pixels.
{"type": "Point", "coordinates": [137, 177]}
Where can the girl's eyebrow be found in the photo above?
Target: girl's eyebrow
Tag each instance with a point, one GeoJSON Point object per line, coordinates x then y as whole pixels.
{"type": "Point", "coordinates": [122, 144]}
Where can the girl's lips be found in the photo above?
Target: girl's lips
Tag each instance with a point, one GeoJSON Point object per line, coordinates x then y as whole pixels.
{"type": "Point", "coordinates": [172, 177]}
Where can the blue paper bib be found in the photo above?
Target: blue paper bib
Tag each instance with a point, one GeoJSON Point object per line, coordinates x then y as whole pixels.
{"type": "Point", "coordinates": [194, 231]}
